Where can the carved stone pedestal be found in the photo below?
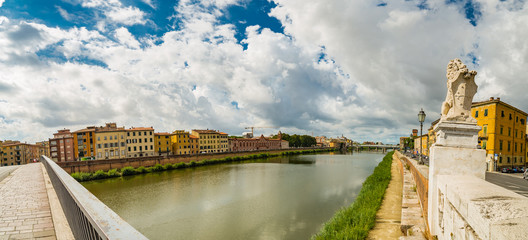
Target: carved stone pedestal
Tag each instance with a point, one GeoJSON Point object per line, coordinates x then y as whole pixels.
{"type": "Point", "coordinates": [454, 153]}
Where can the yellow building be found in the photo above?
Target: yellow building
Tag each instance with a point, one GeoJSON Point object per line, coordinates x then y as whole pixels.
{"type": "Point", "coordinates": [84, 142]}
{"type": "Point", "coordinates": [110, 142]}
{"type": "Point", "coordinates": [140, 142]}
{"type": "Point", "coordinates": [17, 153]}
{"type": "Point", "coordinates": [424, 142]}
{"type": "Point", "coordinates": [162, 143]}
{"type": "Point", "coordinates": [194, 146]}
{"type": "Point", "coordinates": [181, 142]}
{"type": "Point", "coordinates": [211, 141]}
{"type": "Point", "coordinates": [503, 133]}
{"type": "Point", "coordinates": [44, 148]}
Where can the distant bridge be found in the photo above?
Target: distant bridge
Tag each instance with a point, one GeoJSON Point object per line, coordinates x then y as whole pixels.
{"type": "Point", "coordinates": [374, 147]}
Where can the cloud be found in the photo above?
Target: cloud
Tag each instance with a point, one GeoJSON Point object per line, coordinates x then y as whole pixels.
{"type": "Point", "coordinates": [126, 38]}
{"type": "Point", "coordinates": [340, 67]}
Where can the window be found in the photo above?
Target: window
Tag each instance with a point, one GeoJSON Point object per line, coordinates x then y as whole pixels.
{"type": "Point", "coordinates": [98, 145]}
{"type": "Point", "coordinates": [500, 144]}
{"type": "Point", "coordinates": [515, 147]}
{"type": "Point", "coordinates": [151, 133]}
{"type": "Point", "coordinates": [502, 113]}
{"type": "Point", "coordinates": [501, 128]}
{"type": "Point", "coordinates": [151, 140]}
{"type": "Point", "coordinates": [134, 148]}
{"type": "Point", "coordinates": [123, 152]}
{"type": "Point", "coordinates": [98, 138]}
{"type": "Point", "coordinates": [151, 147]}
{"type": "Point", "coordinates": [476, 113]}
{"type": "Point", "coordinates": [515, 132]}
{"type": "Point", "coordinates": [500, 159]}
{"type": "Point", "coordinates": [140, 148]}
{"type": "Point", "coordinates": [510, 119]}
{"type": "Point", "coordinates": [516, 119]}
{"type": "Point", "coordinates": [140, 140]}
{"type": "Point", "coordinates": [104, 137]}
{"type": "Point", "coordinates": [509, 145]}
{"type": "Point", "coordinates": [509, 131]}
{"type": "Point", "coordinates": [134, 134]}
{"type": "Point", "coordinates": [485, 130]}
{"type": "Point", "coordinates": [522, 121]}
{"type": "Point", "coordinates": [485, 112]}
{"type": "Point", "coordinates": [508, 159]}
{"type": "Point", "coordinates": [128, 134]}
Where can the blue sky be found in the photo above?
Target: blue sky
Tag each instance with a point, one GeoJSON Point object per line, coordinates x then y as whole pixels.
{"type": "Point", "coordinates": [362, 68]}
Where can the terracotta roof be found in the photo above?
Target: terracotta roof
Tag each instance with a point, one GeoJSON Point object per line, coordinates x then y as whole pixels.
{"type": "Point", "coordinates": [204, 131]}
{"type": "Point", "coordinates": [85, 130]}
{"type": "Point", "coordinates": [163, 134]}
{"type": "Point", "coordinates": [141, 129]}
{"type": "Point", "coordinates": [223, 133]}
{"type": "Point", "coordinates": [194, 137]}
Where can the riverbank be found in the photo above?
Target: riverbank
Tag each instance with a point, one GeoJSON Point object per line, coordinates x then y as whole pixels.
{"type": "Point", "coordinates": [129, 170]}
{"type": "Point", "coordinates": [355, 221]}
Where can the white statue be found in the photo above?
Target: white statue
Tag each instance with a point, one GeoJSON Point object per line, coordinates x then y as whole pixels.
{"type": "Point", "coordinates": [461, 88]}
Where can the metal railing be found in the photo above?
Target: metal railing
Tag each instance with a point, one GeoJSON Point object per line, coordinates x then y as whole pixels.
{"type": "Point", "coordinates": [88, 217]}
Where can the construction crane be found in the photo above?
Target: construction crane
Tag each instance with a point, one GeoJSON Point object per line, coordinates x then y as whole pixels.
{"type": "Point", "coordinates": [256, 127]}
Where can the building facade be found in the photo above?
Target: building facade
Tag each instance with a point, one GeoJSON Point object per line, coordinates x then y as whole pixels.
{"type": "Point", "coordinates": [163, 143]}
{"type": "Point", "coordinates": [84, 143]}
{"type": "Point", "coordinates": [211, 141]}
{"type": "Point", "coordinates": [44, 148]}
{"type": "Point", "coordinates": [17, 153]}
{"type": "Point", "coordinates": [140, 142]}
{"type": "Point", "coordinates": [503, 133]}
{"type": "Point", "coordinates": [181, 142]}
{"type": "Point", "coordinates": [110, 142]}
{"type": "Point", "coordinates": [62, 147]}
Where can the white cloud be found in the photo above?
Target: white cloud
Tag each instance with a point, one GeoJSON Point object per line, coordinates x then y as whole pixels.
{"type": "Point", "coordinates": [343, 67]}
{"type": "Point", "coordinates": [127, 15]}
{"type": "Point", "coordinates": [126, 38]}
{"type": "Point", "coordinates": [1, 2]}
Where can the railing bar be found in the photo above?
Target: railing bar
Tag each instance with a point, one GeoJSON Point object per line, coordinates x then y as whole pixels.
{"type": "Point", "coordinates": [88, 217]}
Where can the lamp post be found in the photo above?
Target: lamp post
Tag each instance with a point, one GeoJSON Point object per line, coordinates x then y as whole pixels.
{"type": "Point", "coordinates": [421, 119]}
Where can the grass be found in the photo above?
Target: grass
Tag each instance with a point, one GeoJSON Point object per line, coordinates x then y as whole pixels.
{"type": "Point", "coordinates": [355, 221]}
{"type": "Point", "coordinates": [127, 171]}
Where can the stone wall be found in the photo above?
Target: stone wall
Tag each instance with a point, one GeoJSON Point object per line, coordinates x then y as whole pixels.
{"type": "Point", "coordinates": [471, 208]}
{"type": "Point", "coordinates": [105, 165]}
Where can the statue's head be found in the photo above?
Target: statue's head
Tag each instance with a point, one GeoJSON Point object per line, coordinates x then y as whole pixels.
{"type": "Point", "coordinates": [455, 66]}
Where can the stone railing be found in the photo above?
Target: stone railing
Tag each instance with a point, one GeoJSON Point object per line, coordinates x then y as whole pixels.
{"type": "Point", "coordinates": [471, 208]}
{"type": "Point", "coordinates": [88, 217]}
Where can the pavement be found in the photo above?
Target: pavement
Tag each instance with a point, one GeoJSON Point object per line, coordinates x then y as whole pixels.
{"type": "Point", "coordinates": [511, 181]}
{"type": "Point", "coordinates": [24, 206]}
{"type": "Point", "coordinates": [388, 217]}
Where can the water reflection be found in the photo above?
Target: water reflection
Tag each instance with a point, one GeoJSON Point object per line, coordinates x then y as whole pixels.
{"type": "Point", "coordinates": [279, 198]}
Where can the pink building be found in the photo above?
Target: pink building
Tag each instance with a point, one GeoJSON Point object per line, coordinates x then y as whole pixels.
{"type": "Point", "coordinates": [254, 144]}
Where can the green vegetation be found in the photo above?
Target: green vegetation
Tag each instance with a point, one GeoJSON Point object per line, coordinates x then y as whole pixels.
{"type": "Point", "coordinates": [127, 171]}
{"type": "Point", "coordinates": [355, 221]}
{"type": "Point", "coordinates": [298, 140]}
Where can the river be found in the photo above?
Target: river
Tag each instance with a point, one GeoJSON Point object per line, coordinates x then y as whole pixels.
{"type": "Point", "coordinates": [278, 198]}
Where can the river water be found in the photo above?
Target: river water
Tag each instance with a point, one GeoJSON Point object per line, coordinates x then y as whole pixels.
{"type": "Point", "coordinates": [278, 198]}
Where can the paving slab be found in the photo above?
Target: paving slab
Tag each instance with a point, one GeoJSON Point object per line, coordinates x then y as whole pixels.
{"type": "Point", "coordinates": [24, 205]}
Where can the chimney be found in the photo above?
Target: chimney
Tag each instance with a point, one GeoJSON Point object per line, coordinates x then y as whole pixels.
{"type": "Point", "coordinates": [498, 99]}
{"type": "Point", "coordinates": [491, 98]}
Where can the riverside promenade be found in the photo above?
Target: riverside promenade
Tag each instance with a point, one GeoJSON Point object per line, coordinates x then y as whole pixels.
{"type": "Point", "coordinates": [24, 206]}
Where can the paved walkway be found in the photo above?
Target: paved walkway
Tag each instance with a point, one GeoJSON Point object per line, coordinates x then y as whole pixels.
{"type": "Point", "coordinates": [24, 206]}
{"type": "Point", "coordinates": [388, 216]}
{"type": "Point", "coordinates": [412, 221]}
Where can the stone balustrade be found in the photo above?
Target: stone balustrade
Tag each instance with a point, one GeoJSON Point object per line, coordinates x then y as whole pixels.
{"type": "Point", "coordinates": [471, 208]}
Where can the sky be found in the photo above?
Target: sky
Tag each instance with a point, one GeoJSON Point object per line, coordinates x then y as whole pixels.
{"type": "Point", "coordinates": [361, 68]}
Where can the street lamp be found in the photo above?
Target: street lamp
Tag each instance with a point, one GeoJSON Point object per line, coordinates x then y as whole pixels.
{"type": "Point", "coordinates": [421, 119]}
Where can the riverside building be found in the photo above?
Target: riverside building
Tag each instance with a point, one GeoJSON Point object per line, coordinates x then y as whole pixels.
{"type": "Point", "coordinates": [503, 133]}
